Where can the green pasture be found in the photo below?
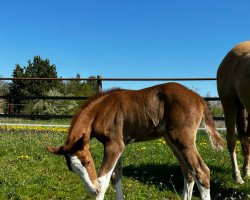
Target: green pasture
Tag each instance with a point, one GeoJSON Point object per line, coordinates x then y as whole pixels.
{"type": "Point", "coordinates": [150, 170]}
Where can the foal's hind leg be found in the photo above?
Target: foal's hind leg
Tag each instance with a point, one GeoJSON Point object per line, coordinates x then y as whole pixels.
{"type": "Point", "coordinates": [200, 171]}
{"type": "Point", "coordinates": [230, 110]}
{"type": "Point", "coordinates": [184, 143]}
{"type": "Point", "coordinates": [188, 177]}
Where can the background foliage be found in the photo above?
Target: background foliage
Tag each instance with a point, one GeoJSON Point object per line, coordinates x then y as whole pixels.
{"type": "Point", "coordinates": [3, 91]}
{"type": "Point", "coordinates": [41, 68]}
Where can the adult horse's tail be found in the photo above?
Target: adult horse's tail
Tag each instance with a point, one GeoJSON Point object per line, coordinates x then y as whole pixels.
{"type": "Point", "coordinates": [214, 136]}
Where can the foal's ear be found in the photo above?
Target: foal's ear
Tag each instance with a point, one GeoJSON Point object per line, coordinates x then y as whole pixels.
{"type": "Point", "coordinates": [56, 150]}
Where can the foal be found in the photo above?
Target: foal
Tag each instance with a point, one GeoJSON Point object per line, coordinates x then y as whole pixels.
{"type": "Point", "coordinates": [233, 82]}
{"type": "Point", "coordinates": [119, 117]}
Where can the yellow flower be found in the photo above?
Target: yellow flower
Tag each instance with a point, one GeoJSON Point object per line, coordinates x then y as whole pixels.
{"type": "Point", "coordinates": [142, 148]}
{"type": "Point", "coordinates": [203, 143]}
{"type": "Point", "coordinates": [24, 157]}
{"type": "Point", "coordinates": [35, 128]}
{"type": "Point", "coordinates": [161, 142]}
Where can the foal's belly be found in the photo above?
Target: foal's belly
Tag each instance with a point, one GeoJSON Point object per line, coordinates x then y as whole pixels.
{"type": "Point", "coordinates": [145, 133]}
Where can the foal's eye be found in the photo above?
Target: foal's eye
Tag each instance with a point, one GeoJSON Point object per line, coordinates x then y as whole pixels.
{"type": "Point", "coordinates": [85, 162]}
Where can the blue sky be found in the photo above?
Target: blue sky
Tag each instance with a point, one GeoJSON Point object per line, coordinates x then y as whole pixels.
{"type": "Point", "coordinates": [132, 38]}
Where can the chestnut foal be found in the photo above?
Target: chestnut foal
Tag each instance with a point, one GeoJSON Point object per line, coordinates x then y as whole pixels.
{"type": "Point", "coordinates": [119, 117]}
{"type": "Point", "coordinates": [233, 82]}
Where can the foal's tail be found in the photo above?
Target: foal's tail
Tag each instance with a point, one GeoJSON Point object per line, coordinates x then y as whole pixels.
{"type": "Point", "coordinates": [214, 136]}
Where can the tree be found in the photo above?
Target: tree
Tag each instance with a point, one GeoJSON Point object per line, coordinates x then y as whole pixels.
{"type": "Point", "coordinates": [17, 88]}
{"type": "Point", "coordinates": [79, 88]}
{"type": "Point", "coordinates": [3, 91]}
{"type": "Point", "coordinates": [40, 69]}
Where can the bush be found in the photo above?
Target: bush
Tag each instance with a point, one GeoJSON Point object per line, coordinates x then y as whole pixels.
{"type": "Point", "coordinates": [51, 107]}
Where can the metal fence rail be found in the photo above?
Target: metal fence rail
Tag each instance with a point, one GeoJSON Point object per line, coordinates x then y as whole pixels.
{"type": "Point", "coordinates": [99, 78]}
{"type": "Point", "coordinates": [99, 81]}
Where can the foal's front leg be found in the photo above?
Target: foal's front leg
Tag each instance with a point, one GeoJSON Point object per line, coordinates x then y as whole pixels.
{"type": "Point", "coordinates": [116, 180]}
{"type": "Point", "coordinates": [112, 153]}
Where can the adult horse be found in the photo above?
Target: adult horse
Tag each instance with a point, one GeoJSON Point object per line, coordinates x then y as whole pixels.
{"type": "Point", "coordinates": [119, 117]}
{"type": "Point", "coordinates": [233, 82]}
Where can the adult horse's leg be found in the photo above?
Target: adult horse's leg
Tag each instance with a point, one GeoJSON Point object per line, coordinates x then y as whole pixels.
{"type": "Point", "coordinates": [183, 142]}
{"type": "Point", "coordinates": [242, 130]}
{"type": "Point", "coordinates": [112, 153]}
{"type": "Point", "coordinates": [230, 111]}
{"type": "Point", "coordinates": [248, 125]}
{"type": "Point", "coordinates": [247, 163]}
{"type": "Point", "coordinates": [116, 180]}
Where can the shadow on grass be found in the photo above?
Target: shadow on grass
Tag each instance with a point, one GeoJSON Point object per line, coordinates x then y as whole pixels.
{"type": "Point", "coordinates": [164, 176]}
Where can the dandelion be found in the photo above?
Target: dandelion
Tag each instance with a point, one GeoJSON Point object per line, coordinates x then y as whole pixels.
{"type": "Point", "coordinates": [142, 148]}
{"type": "Point", "coordinates": [203, 143]}
{"type": "Point", "coordinates": [35, 128]}
{"type": "Point", "coordinates": [23, 157]}
{"type": "Point", "coordinates": [161, 142]}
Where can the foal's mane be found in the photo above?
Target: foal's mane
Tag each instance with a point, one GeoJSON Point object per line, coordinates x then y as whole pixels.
{"type": "Point", "coordinates": [88, 102]}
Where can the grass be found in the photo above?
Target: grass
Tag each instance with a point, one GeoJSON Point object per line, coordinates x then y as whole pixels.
{"type": "Point", "coordinates": [150, 170]}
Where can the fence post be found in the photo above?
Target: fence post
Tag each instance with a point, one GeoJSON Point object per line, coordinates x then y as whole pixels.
{"type": "Point", "coordinates": [11, 107]}
{"type": "Point", "coordinates": [99, 84]}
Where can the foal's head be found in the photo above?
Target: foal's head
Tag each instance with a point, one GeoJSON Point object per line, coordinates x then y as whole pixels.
{"type": "Point", "coordinates": [79, 160]}
{"type": "Point", "coordinates": [76, 149]}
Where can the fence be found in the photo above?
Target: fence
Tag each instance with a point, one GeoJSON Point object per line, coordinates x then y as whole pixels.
{"type": "Point", "coordinates": [99, 81]}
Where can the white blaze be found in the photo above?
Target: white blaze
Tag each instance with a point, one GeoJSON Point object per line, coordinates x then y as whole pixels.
{"type": "Point", "coordinates": [79, 169]}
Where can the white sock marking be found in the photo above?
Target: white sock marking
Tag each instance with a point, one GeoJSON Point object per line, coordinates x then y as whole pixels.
{"type": "Point", "coordinates": [204, 192]}
{"type": "Point", "coordinates": [187, 190]}
{"type": "Point", "coordinates": [235, 169]}
{"type": "Point", "coordinates": [104, 182]}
